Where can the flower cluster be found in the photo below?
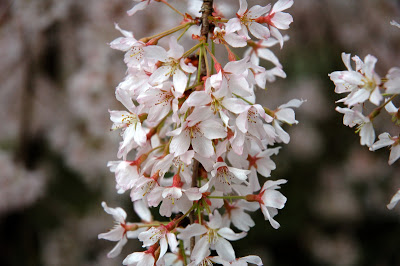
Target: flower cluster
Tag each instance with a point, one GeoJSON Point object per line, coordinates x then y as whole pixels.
{"type": "Point", "coordinates": [367, 95]}
{"type": "Point", "coordinates": [198, 140]}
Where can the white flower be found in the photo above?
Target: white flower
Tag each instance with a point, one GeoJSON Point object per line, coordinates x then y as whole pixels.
{"type": "Point", "coordinates": [173, 65]}
{"type": "Point", "coordinates": [162, 235]}
{"type": "Point", "coordinates": [198, 129]}
{"type": "Point", "coordinates": [140, 259]}
{"type": "Point", "coordinates": [270, 200]}
{"type": "Point", "coordinates": [118, 233]}
{"type": "Point", "coordinates": [212, 236]}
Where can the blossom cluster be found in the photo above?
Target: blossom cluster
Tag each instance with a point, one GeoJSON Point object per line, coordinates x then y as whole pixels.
{"type": "Point", "coordinates": [367, 95]}
{"type": "Point", "coordinates": [194, 142]}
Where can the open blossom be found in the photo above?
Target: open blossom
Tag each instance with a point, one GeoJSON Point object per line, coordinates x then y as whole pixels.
{"type": "Point", "coordinates": [118, 233]}
{"type": "Point", "coordinates": [198, 129]}
{"type": "Point", "coordinates": [246, 19]}
{"type": "Point", "coordinates": [212, 236]}
{"type": "Point", "coordinates": [361, 84]}
{"type": "Point", "coordinates": [172, 65]}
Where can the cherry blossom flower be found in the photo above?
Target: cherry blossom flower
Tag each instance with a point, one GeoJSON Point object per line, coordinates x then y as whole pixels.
{"type": "Point", "coordinates": [270, 200]}
{"type": "Point", "coordinates": [199, 129]}
{"type": "Point", "coordinates": [118, 233]}
{"type": "Point", "coordinates": [129, 122]}
{"type": "Point", "coordinates": [126, 174]}
{"type": "Point", "coordinates": [247, 19]}
{"type": "Point", "coordinates": [362, 83]}
{"type": "Point", "coordinates": [212, 236]}
{"type": "Point", "coordinates": [161, 235]}
{"type": "Point", "coordinates": [393, 80]}
{"type": "Point", "coordinates": [172, 65]}
{"type": "Point", "coordinates": [145, 258]}
{"type": "Point", "coordinates": [276, 19]}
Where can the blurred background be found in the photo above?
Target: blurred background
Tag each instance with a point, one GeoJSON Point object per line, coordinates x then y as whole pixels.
{"type": "Point", "coordinates": [58, 77]}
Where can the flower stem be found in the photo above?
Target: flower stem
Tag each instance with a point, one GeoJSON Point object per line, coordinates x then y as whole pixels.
{"type": "Point", "coordinates": [173, 8]}
{"type": "Point", "coordinates": [166, 33]}
{"type": "Point", "coordinates": [226, 197]}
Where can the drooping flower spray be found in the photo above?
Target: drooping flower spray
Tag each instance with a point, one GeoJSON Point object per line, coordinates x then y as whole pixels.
{"type": "Point", "coordinates": [194, 142]}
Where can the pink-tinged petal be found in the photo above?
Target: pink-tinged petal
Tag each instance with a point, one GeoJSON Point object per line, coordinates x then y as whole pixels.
{"type": "Point", "coordinates": [282, 134]}
{"type": "Point", "coordinates": [176, 132]}
{"type": "Point", "coordinates": [235, 105]}
{"type": "Point", "coordinates": [124, 32]}
{"type": "Point", "coordinates": [125, 99]}
{"type": "Point", "coordinates": [172, 242]}
{"type": "Point", "coordinates": [225, 249]}
{"type": "Point", "coordinates": [257, 11]}
{"type": "Point", "coordinates": [384, 141]}
{"type": "Point", "coordinates": [215, 220]}
{"type": "Point", "coordinates": [229, 234]}
{"type": "Point", "coordinates": [346, 61]}
{"type": "Point", "coordinates": [292, 103]}
{"type": "Point", "coordinates": [232, 25]}
{"type": "Point", "coordinates": [198, 98]}
{"type": "Point", "coordinates": [270, 56]}
{"type": "Point", "coordinates": [116, 234]}
{"type": "Point", "coordinates": [243, 221]}
{"type": "Point", "coordinates": [160, 75]}
{"type": "Point", "coordinates": [142, 211]}
{"type": "Point", "coordinates": [237, 67]}
{"type": "Point", "coordinates": [242, 7]}
{"type": "Point", "coordinates": [134, 257]}
{"type": "Point", "coordinates": [118, 213]}
{"type": "Point", "coordinates": [369, 65]}
{"type": "Point", "coordinates": [187, 68]}
{"type": "Point", "coordinates": [137, 7]}
{"type": "Point", "coordinates": [253, 260]}
{"type": "Point", "coordinates": [193, 194]}
{"type": "Point", "coordinates": [274, 199]}
{"type": "Point", "coordinates": [265, 166]}
{"type": "Point", "coordinates": [286, 115]}
{"type": "Point", "coordinates": [239, 173]}
{"type": "Point", "coordinates": [282, 5]}
{"type": "Point", "coordinates": [390, 108]}
{"type": "Point", "coordinates": [180, 144]}
{"type": "Point", "coordinates": [376, 96]}
{"type": "Point", "coordinates": [199, 114]}
{"type": "Point", "coordinates": [180, 81]}
{"type": "Point", "coordinates": [282, 20]}
{"type": "Point", "coordinates": [394, 200]}
{"type": "Point", "coordinates": [117, 248]}
{"type": "Point", "coordinates": [163, 247]}
{"type": "Point", "coordinates": [175, 50]}
{"type": "Point", "coordinates": [241, 122]}
{"type": "Point", "coordinates": [276, 33]}
{"type": "Point", "coordinates": [394, 154]}
{"type": "Point", "coordinates": [187, 157]}
{"type": "Point", "coordinates": [212, 129]}
{"type": "Point", "coordinates": [140, 135]}
{"type": "Point", "coordinates": [174, 192]}
{"type": "Point", "coordinates": [269, 214]}
{"type": "Point", "coordinates": [202, 146]}
{"type": "Point", "coordinates": [235, 40]}
{"type": "Point", "coordinates": [191, 231]}
{"type": "Point", "coordinates": [367, 134]}
{"type": "Point", "coordinates": [155, 52]}
{"type": "Point", "coordinates": [200, 251]}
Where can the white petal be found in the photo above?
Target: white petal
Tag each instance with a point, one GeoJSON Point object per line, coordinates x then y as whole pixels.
{"type": "Point", "coordinates": [394, 154]}
{"type": "Point", "coordinates": [225, 249]}
{"type": "Point", "coordinates": [229, 234]}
